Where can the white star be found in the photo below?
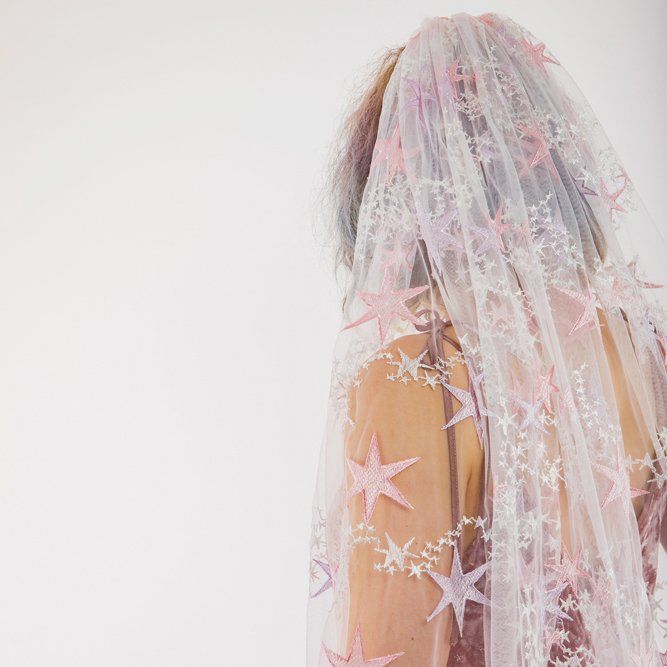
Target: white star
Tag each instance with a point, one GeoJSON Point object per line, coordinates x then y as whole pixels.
{"type": "Point", "coordinates": [395, 554]}
{"type": "Point", "coordinates": [408, 364]}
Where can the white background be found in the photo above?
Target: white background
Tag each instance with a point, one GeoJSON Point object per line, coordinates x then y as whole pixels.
{"type": "Point", "coordinates": [167, 313]}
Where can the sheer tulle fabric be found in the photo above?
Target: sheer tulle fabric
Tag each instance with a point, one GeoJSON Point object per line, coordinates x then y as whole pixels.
{"type": "Point", "coordinates": [496, 219]}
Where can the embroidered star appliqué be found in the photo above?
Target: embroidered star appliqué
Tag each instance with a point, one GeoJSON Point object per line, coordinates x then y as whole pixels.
{"type": "Point", "coordinates": [458, 588]}
{"type": "Point", "coordinates": [620, 483]}
{"type": "Point", "coordinates": [568, 570]}
{"type": "Point", "coordinates": [374, 478]}
{"type": "Point", "coordinates": [328, 581]}
{"type": "Point", "coordinates": [387, 304]}
{"type": "Point", "coordinates": [355, 658]}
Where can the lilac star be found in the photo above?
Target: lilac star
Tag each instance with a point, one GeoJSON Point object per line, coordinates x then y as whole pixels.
{"type": "Point", "coordinates": [620, 482]}
{"type": "Point", "coordinates": [418, 97]}
{"type": "Point", "coordinates": [469, 406]}
{"type": "Point", "coordinates": [458, 588]}
{"type": "Point", "coordinates": [387, 304]}
{"type": "Point", "coordinates": [328, 583]}
{"type": "Point", "coordinates": [532, 412]}
{"type": "Point", "coordinates": [536, 54]}
{"type": "Point", "coordinates": [587, 317]}
{"type": "Point", "coordinates": [551, 598]}
{"type": "Point", "coordinates": [355, 658]}
{"type": "Point", "coordinates": [374, 478]}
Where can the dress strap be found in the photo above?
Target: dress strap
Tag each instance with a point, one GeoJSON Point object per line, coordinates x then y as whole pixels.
{"type": "Point", "coordinates": [436, 327]}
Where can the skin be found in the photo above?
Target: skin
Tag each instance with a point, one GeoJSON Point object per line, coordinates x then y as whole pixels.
{"type": "Point", "coordinates": [391, 610]}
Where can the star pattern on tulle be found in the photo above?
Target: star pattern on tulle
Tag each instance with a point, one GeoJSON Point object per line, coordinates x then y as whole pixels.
{"type": "Point", "coordinates": [355, 658]}
{"type": "Point", "coordinates": [469, 407]}
{"type": "Point", "coordinates": [611, 198]}
{"type": "Point", "coordinates": [397, 256]}
{"type": "Point", "coordinates": [544, 387]}
{"type": "Point", "coordinates": [328, 581]}
{"type": "Point", "coordinates": [453, 76]}
{"type": "Point", "coordinates": [396, 556]}
{"type": "Point", "coordinates": [418, 97]}
{"type": "Point", "coordinates": [373, 479]}
{"type": "Point", "coordinates": [532, 414]}
{"type": "Point", "coordinates": [408, 365]}
{"type": "Point", "coordinates": [551, 601]}
{"type": "Point", "coordinates": [391, 152]}
{"type": "Point", "coordinates": [587, 317]}
{"type": "Point", "coordinates": [632, 266]}
{"type": "Point", "coordinates": [536, 54]}
{"type": "Point", "coordinates": [458, 588]}
{"type": "Point", "coordinates": [568, 570]}
{"type": "Point", "coordinates": [540, 148]}
{"type": "Point", "coordinates": [663, 658]}
{"type": "Point", "coordinates": [620, 483]}
{"type": "Point", "coordinates": [499, 227]}
{"type": "Point", "coordinates": [387, 304]}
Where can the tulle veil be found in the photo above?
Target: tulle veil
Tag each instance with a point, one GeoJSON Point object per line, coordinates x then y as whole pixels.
{"type": "Point", "coordinates": [495, 201]}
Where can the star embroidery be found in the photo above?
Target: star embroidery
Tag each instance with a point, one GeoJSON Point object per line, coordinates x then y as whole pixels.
{"type": "Point", "coordinates": [355, 658]}
{"type": "Point", "coordinates": [663, 658]}
{"type": "Point", "coordinates": [328, 582]}
{"type": "Point", "coordinates": [418, 97]}
{"type": "Point", "coordinates": [540, 150]}
{"type": "Point", "coordinates": [454, 77]}
{"type": "Point", "coordinates": [632, 265]}
{"type": "Point", "coordinates": [397, 257]}
{"type": "Point", "coordinates": [374, 478]}
{"type": "Point", "coordinates": [588, 303]}
{"type": "Point", "coordinates": [395, 554]}
{"type": "Point", "coordinates": [408, 365]}
{"type": "Point", "coordinates": [544, 387]}
{"type": "Point", "coordinates": [569, 570]}
{"type": "Point", "coordinates": [532, 414]}
{"type": "Point", "coordinates": [458, 588]}
{"type": "Point", "coordinates": [387, 304]}
{"type": "Point", "coordinates": [620, 482]}
{"type": "Point", "coordinates": [551, 598]}
{"type": "Point", "coordinates": [469, 408]}
{"type": "Point", "coordinates": [611, 199]}
{"type": "Point", "coordinates": [390, 151]}
{"type": "Point", "coordinates": [499, 227]}
{"type": "Point", "coordinates": [536, 54]}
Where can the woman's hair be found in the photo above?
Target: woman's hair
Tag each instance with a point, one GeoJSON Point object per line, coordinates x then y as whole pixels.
{"type": "Point", "coordinates": [353, 155]}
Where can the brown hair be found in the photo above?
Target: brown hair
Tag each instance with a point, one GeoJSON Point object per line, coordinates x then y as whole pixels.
{"type": "Point", "coordinates": [351, 163]}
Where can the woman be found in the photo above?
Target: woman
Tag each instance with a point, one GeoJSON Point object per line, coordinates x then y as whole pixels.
{"type": "Point", "coordinates": [491, 487]}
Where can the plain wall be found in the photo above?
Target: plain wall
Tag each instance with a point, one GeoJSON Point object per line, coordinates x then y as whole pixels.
{"type": "Point", "coordinates": [168, 312]}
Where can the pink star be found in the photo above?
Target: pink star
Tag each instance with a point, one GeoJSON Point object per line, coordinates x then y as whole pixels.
{"type": "Point", "coordinates": [541, 150]}
{"type": "Point", "coordinates": [620, 482]}
{"type": "Point", "coordinates": [569, 570]}
{"type": "Point", "coordinates": [328, 582]}
{"type": "Point", "coordinates": [355, 658]}
{"type": "Point", "coordinates": [544, 387]}
{"type": "Point", "coordinates": [387, 304]}
{"type": "Point", "coordinates": [587, 317]}
{"type": "Point", "coordinates": [536, 54]}
{"type": "Point", "coordinates": [632, 265]}
{"type": "Point", "coordinates": [611, 198]}
{"type": "Point", "coordinates": [419, 97]}
{"type": "Point", "coordinates": [458, 588]}
{"type": "Point", "coordinates": [551, 601]}
{"type": "Point", "coordinates": [390, 151]}
{"type": "Point", "coordinates": [663, 658]}
{"type": "Point", "coordinates": [374, 478]}
{"type": "Point", "coordinates": [469, 406]}
{"type": "Point", "coordinates": [454, 77]}
{"type": "Point", "coordinates": [499, 227]}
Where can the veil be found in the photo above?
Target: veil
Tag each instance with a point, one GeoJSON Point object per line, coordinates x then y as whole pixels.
{"type": "Point", "coordinates": [504, 261]}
